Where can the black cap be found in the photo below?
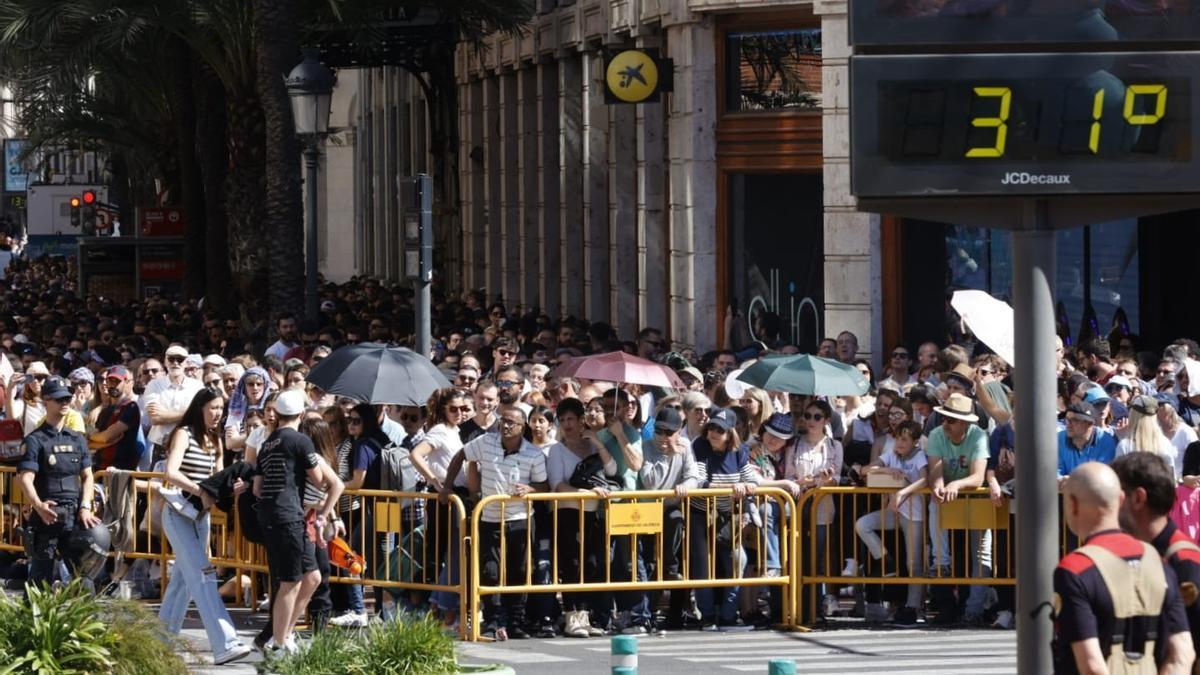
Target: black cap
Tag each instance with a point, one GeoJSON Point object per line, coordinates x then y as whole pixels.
{"type": "Point", "coordinates": [724, 418]}
{"type": "Point", "coordinates": [668, 420]}
{"type": "Point", "coordinates": [55, 389]}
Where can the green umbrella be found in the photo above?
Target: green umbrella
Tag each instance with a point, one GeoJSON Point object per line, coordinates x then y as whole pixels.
{"type": "Point", "coordinates": [805, 374]}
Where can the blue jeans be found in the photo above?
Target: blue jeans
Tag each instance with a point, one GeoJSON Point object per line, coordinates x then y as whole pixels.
{"type": "Point", "coordinates": [637, 603]}
{"type": "Point", "coordinates": [715, 603]}
{"type": "Point", "coordinates": [195, 579]}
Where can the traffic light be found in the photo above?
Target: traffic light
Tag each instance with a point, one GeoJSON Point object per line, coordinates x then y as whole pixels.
{"type": "Point", "coordinates": [76, 212]}
{"type": "Point", "coordinates": [88, 209]}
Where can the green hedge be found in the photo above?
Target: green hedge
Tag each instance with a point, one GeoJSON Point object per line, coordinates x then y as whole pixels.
{"type": "Point", "coordinates": [68, 631]}
{"type": "Point", "coordinates": [410, 645]}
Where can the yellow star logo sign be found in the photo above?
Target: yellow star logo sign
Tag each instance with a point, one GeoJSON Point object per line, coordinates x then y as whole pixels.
{"type": "Point", "coordinates": [632, 76]}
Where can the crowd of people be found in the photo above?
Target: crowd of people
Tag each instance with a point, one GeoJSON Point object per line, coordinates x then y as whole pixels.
{"type": "Point", "coordinates": [182, 387]}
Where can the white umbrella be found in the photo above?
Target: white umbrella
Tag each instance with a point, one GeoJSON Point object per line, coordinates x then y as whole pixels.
{"type": "Point", "coordinates": [991, 321]}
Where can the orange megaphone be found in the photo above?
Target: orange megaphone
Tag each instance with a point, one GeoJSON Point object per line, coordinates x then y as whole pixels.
{"type": "Point", "coordinates": [341, 555]}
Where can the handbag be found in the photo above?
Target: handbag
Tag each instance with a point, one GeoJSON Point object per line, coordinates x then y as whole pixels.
{"type": "Point", "coordinates": [11, 436]}
{"type": "Point", "coordinates": [589, 474]}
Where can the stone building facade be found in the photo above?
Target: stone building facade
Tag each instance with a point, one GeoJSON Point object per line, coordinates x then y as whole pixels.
{"type": "Point", "coordinates": [722, 195]}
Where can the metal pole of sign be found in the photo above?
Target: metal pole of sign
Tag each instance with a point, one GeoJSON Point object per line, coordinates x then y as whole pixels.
{"type": "Point", "coordinates": [424, 295]}
{"type": "Point", "coordinates": [1036, 485]}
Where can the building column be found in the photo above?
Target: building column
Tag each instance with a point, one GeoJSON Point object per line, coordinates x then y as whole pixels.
{"type": "Point", "coordinates": [549, 176]}
{"type": "Point", "coordinates": [476, 209]}
{"type": "Point", "coordinates": [622, 194]}
{"type": "Point", "coordinates": [570, 72]}
{"type": "Point", "coordinates": [596, 225]}
{"type": "Point", "coordinates": [530, 199]}
{"type": "Point", "coordinates": [693, 184]}
{"type": "Point", "coordinates": [494, 154]}
{"type": "Point", "coordinates": [652, 232]}
{"type": "Point", "coordinates": [853, 285]}
{"type": "Point", "coordinates": [510, 178]}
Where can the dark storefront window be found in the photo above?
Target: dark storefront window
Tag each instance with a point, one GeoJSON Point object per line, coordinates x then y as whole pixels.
{"type": "Point", "coordinates": [777, 254]}
{"type": "Point", "coordinates": [1096, 284]}
{"type": "Point", "coordinates": [773, 70]}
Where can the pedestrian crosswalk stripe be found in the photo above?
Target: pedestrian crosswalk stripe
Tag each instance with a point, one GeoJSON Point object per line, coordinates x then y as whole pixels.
{"type": "Point", "coordinates": [856, 665]}
{"type": "Point", "coordinates": [826, 641]}
{"type": "Point", "coordinates": [931, 670]}
{"type": "Point", "coordinates": [817, 652]}
{"type": "Point", "coordinates": [479, 651]}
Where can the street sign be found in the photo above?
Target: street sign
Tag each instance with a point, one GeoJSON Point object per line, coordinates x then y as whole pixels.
{"type": "Point", "coordinates": [161, 221]}
{"type": "Point", "coordinates": [1025, 124]}
{"type": "Point", "coordinates": [636, 76]}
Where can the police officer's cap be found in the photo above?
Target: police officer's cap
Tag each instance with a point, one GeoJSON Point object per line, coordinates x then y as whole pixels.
{"type": "Point", "coordinates": [55, 389]}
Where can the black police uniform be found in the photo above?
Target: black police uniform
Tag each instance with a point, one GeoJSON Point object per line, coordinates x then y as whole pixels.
{"type": "Point", "coordinates": [56, 457]}
{"type": "Point", "coordinates": [1085, 606]}
{"type": "Point", "coordinates": [1182, 554]}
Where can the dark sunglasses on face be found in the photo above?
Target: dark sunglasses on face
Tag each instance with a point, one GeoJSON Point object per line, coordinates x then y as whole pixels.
{"type": "Point", "coordinates": [663, 432]}
{"type": "Point", "coordinates": [458, 408]}
{"type": "Point", "coordinates": [506, 352]}
{"type": "Point", "coordinates": [175, 359]}
{"type": "Point", "coordinates": [899, 355]}
{"type": "Point", "coordinates": [40, 378]}
{"type": "Point", "coordinates": [505, 384]}
{"type": "Point", "coordinates": [812, 418]}
{"type": "Point", "coordinates": [354, 420]}
{"type": "Point", "coordinates": [410, 418]}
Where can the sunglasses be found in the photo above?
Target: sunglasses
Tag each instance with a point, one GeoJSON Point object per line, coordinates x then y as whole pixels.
{"type": "Point", "coordinates": [40, 378]}
{"type": "Point", "coordinates": [458, 408]}
{"type": "Point", "coordinates": [175, 359]}
{"type": "Point", "coordinates": [151, 371]}
{"type": "Point", "coordinates": [467, 378]}
{"type": "Point", "coordinates": [899, 355]}
{"type": "Point", "coordinates": [505, 384]}
{"type": "Point", "coordinates": [811, 417]}
{"type": "Point", "coordinates": [663, 432]}
{"type": "Point", "coordinates": [353, 420]}
{"type": "Point", "coordinates": [674, 407]}
{"type": "Point", "coordinates": [506, 352]}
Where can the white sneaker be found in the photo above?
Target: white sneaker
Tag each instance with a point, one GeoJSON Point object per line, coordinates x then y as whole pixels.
{"type": "Point", "coordinates": [829, 606]}
{"type": "Point", "coordinates": [231, 655]}
{"type": "Point", "coordinates": [851, 568]}
{"type": "Point", "coordinates": [575, 624]}
{"type": "Point", "coordinates": [1004, 619]}
{"type": "Point", "coordinates": [350, 620]}
{"type": "Point", "coordinates": [178, 501]}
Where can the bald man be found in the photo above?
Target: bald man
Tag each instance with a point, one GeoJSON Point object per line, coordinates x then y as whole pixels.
{"type": "Point", "coordinates": [1114, 591]}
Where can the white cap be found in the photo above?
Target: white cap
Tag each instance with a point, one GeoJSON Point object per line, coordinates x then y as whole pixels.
{"type": "Point", "coordinates": [290, 403]}
{"type": "Point", "coordinates": [214, 360]}
{"type": "Point", "coordinates": [177, 350]}
{"type": "Point", "coordinates": [37, 368]}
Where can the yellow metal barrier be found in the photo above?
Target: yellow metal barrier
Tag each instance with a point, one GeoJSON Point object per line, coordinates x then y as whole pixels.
{"type": "Point", "coordinates": [970, 526]}
{"type": "Point", "coordinates": [638, 514]}
{"type": "Point", "coordinates": [422, 548]}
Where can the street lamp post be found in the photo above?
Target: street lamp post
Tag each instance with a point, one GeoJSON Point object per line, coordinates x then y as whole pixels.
{"type": "Point", "coordinates": [310, 86]}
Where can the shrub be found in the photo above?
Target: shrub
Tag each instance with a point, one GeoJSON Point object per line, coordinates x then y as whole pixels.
{"type": "Point", "coordinates": [68, 631]}
{"type": "Point", "coordinates": [142, 645]}
{"type": "Point", "coordinates": [410, 645]}
{"type": "Point", "coordinates": [54, 631]}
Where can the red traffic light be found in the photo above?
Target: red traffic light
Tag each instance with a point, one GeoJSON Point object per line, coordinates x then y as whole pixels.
{"type": "Point", "coordinates": [89, 197]}
{"type": "Point", "coordinates": [75, 202]}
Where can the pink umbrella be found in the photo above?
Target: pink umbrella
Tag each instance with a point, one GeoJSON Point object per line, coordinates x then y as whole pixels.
{"type": "Point", "coordinates": [619, 367]}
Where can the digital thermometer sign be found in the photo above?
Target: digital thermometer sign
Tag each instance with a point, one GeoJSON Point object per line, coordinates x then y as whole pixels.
{"type": "Point", "coordinates": [1024, 22]}
{"type": "Point", "coordinates": [1011, 124]}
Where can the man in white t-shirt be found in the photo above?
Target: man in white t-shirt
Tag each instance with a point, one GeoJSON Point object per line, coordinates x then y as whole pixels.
{"type": "Point", "coordinates": [167, 398]}
{"type": "Point", "coordinates": [285, 327]}
{"type": "Point", "coordinates": [508, 465]}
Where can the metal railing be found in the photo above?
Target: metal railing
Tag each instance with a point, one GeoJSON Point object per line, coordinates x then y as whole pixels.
{"type": "Point", "coordinates": [714, 515]}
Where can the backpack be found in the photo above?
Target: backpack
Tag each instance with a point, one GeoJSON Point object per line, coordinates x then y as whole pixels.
{"type": "Point", "coordinates": [396, 470]}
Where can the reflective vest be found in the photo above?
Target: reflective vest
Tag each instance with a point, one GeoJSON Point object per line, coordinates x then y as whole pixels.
{"type": "Point", "coordinates": [1138, 589]}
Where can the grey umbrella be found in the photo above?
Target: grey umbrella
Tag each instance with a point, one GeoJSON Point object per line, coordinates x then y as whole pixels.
{"type": "Point", "coordinates": [376, 373]}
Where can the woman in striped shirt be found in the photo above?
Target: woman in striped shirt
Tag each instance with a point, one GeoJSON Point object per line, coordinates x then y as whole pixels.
{"type": "Point", "coordinates": [313, 499]}
{"type": "Point", "coordinates": [723, 461]}
{"type": "Point", "coordinates": [194, 454]}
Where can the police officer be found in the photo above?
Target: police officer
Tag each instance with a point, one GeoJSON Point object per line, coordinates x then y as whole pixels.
{"type": "Point", "coordinates": [1117, 602]}
{"type": "Point", "coordinates": [1149, 486]}
{"type": "Point", "coordinates": [56, 474]}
